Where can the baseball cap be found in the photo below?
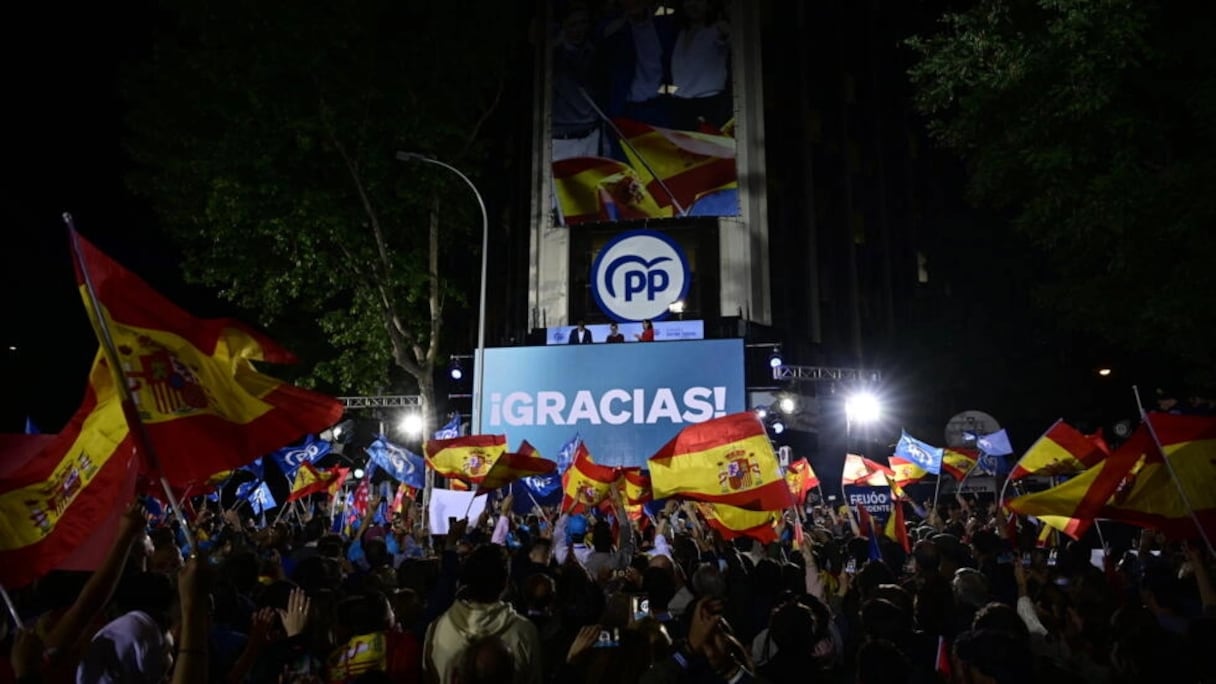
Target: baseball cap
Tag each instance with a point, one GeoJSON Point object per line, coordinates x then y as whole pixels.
{"type": "Point", "coordinates": [576, 525]}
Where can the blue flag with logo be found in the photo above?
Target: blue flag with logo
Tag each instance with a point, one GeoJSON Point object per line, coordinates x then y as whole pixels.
{"type": "Point", "coordinates": [927, 457]}
{"type": "Point", "coordinates": [994, 444]}
{"type": "Point", "coordinates": [289, 459]}
{"type": "Point", "coordinates": [403, 465]}
{"type": "Point", "coordinates": [547, 488]}
{"type": "Point", "coordinates": [245, 489]}
{"type": "Point", "coordinates": [256, 468]}
{"type": "Point", "coordinates": [261, 500]}
{"type": "Point", "coordinates": [451, 430]}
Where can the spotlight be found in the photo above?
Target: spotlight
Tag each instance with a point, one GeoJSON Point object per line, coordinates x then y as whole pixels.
{"type": "Point", "coordinates": [676, 307]}
{"type": "Point", "coordinates": [862, 408]}
{"type": "Point", "coordinates": [778, 427]}
{"type": "Point", "coordinates": [774, 359]}
{"type": "Point", "coordinates": [411, 424]}
{"type": "Point", "coordinates": [359, 473]}
{"type": "Point", "coordinates": [787, 405]}
{"type": "Point", "coordinates": [761, 412]}
{"type": "Point", "coordinates": [455, 370]}
{"type": "Point", "coordinates": [1123, 429]}
{"type": "Point", "coordinates": [1104, 372]}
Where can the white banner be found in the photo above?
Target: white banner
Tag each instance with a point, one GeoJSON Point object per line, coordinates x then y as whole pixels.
{"type": "Point", "coordinates": [450, 503]}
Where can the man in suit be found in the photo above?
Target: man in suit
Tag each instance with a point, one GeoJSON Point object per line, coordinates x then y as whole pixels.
{"type": "Point", "coordinates": [580, 335]}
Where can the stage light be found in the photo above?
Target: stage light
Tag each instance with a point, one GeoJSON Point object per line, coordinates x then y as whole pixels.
{"type": "Point", "coordinates": [411, 424]}
{"type": "Point", "coordinates": [1104, 372]}
{"type": "Point", "coordinates": [455, 370]}
{"type": "Point", "coordinates": [774, 359]}
{"type": "Point", "coordinates": [359, 473]}
{"type": "Point", "coordinates": [787, 405]}
{"type": "Point", "coordinates": [863, 408]}
{"type": "Point", "coordinates": [761, 412]}
{"type": "Point", "coordinates": [676, 307]}
{"type": "Point", "coordinates": [778, 427]}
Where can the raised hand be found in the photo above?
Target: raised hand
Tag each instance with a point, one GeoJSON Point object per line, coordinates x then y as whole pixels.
{"type": "Point", "coordinates": [295, 618]}
{"type": "Point", "coordinates": [586, 637]}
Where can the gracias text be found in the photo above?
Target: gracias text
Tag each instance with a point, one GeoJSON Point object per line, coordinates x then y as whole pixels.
{"type": "Point", "coordinates": [614, 407]}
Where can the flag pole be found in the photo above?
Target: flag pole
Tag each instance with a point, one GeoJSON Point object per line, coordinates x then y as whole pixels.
{"type": "Point", "coordinates": [12, 609]}
{"type": "Point", "coordinates": [1173, 475]}
{"type": "Point", "coordinates": [937, 489]}
{"type": "Point", "coordinates": [134, 423]}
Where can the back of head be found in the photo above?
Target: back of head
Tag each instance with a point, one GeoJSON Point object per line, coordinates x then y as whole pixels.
{"type": "Point", "coordinates": [660, 586]}
{"type": "Point", "coordinates": [601, 536]}
{"type": "Point", "coordinates": [882, 619]}
{"type": "Point", "coordinates": [792, 628]}
{"type": "Point", "coordinates": [1001, 618]}
{"type": "Point", "coordinates": [996, 655]}
{"type": "Point", "coordinates": [880, 662]}
{"type": "Point", "coordinates": [485, 660]}
{"type": "Point", "coordinates": [483, 575]}
{"type": "Point", "coordinates": [970, 588]}
{"type": "Point", "coordinates": [148, 592]}
{"type": "Point", "coordinates": [708, 581]}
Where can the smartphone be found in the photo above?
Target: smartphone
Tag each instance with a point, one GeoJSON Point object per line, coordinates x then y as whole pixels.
{"type": "Point", "coordinates": [639, 606]}
{"type": "Point", "coordinates": [1005, 558]}
{"type": "Point", "coordinates": [1052, 558]}
{"type": "Point", "coordinates": [1027, 560]}
{"type": "Point", "coordinates": [609, 638]}
{"type": "Point", "coordinates": [831, 497]}
{"type": "Point", "coordinates": [850, 567]}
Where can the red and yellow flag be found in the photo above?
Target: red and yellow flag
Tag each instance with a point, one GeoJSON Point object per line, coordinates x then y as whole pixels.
{"type": "Point", "coordinates": [465, 458]}
{"type": "Point", "coordinates": [511, 467]}
{"type": "Point", "coordinates": [689, 163]}
{"type": "Point", "coordinates": [859, 470]}
{"type": "Point", "coordinates": [586, 484]}
{"type": "Point", "coordinates": [896, 529]}
{"type": "Point", "coordinates": [1062, 450]}
{"type": "Point", "coordinates": [310, 480]}
{"type": "Point", "coordinates": [957, 462]}
{"type": "Point", "coordinates": [54, 502]}
{"type": "Point", "coordinates": [731, 522]}
{"type": "Point", "coordinates": [906, 472]}
{"type": "Point", "coordinates": [726, 460]}
{"type": "Point", "coordinates": [800, 478]}
{"type": "Point", "coordinates": [637, 486]}
{"type": "Point", "coordinates": [203, 405]}
{"type": "Point", "coordinates": [601, 189]}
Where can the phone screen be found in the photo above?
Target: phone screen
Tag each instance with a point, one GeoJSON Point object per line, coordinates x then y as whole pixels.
{"type": "Point", "coordinates": [609, 638]}
{"type": "Point", "coordinates": [639, 607]}
{"type": "Point", "coordinates": [851, 566]}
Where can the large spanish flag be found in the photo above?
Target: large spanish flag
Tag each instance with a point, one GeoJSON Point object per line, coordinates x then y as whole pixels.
{"type": "Point", "coordinates": [56, 501]}
{"type": "Point", "coordinates": [689, 163]}
{"type": "Point", "coordinates": [600, 189]}
{"type": "Point", "coordinates": [511, 467]}
{"type": "Point", "coordinates": [465, 458]}
{"type": "Point", "coordinates": [586, 484]}
{"type": "Point", "coordinates": [1062, 450]}
{"type": "Point", "coordinates": [1072, 506]}
{"type": "Point", "coordinates": [203, 406]}
{"type": "Point", "coordinates": [957, 462]}
{"type": "Point", "coordinates": [726, 460]}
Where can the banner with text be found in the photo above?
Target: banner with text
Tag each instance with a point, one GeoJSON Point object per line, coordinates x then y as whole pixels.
{"type": "Point", "coordinates": [625, 400]}
{"type": "Point", "coordinates": [877, 501]}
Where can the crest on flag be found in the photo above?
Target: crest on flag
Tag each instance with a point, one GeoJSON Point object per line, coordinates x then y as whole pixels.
{"type": "Point", "coordinates": [588, 495]}
{"type": "Point", "coordinates": [161, 384]}
{"type": "Point", "coordinates": [737, 471]}
{"type": "Point", "coordinates": [476, 464]}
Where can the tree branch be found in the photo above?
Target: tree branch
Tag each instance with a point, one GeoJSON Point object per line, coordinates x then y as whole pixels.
{"type": "Point", "coordinates": [436, 299]}
{"type": "Point", "coordinates": [485, 116]}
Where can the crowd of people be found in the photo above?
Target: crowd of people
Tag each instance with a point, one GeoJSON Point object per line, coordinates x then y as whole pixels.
{"type": "Point", "coordinates": [600, 597]}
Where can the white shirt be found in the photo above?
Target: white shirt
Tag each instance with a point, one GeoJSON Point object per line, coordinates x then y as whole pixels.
{"type": "Point", "coordinates": [698, 62]}
{"type": "Point", "coordinates": [647, 62]}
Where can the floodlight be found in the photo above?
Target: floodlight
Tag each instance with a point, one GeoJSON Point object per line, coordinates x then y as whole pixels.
{"type": "Point", "coordinates": [455, 370]}
{"type": "Point", "coordinates": [774, 359]}
{"type": "Point", "coordinates": [787, 405]}
{"type": "Point", "coordinates": [863, 408]}
{"type": "Point", "coordinates": [359, 473]}
{"type": "Point", "coordinates": [761, 412]}
{"type": "Point", "coordinates": [778, 427]}
{"type": "Point", "coordinates": [411, 424]}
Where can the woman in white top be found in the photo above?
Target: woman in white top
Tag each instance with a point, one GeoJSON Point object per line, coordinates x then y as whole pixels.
{"type": "Point", "coordinates": [700, 72]}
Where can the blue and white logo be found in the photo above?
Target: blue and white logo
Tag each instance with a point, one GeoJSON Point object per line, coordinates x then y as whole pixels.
{"type": "Point", "coordinates": [637, 275]}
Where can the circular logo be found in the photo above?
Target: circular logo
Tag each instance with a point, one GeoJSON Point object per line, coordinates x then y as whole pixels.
{"type": "Point", "coordinates": [638, 274]}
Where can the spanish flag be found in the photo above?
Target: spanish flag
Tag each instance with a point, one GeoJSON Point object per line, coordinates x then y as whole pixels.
{"type": "Point", "coordinates": [203, 406]}
{"type": "Point", "coordinates": [310, 480]}
{"type": "Point", "coordinates": [906, 472]}
{"type": "Point", "coordinates": [959, 461]}
{"type": "Point", "coordinates": [465, 458]}
{"type": "Point", "coordinates": [731, 522]}
{"type": "Point", "coordinates": [1072, 506]}
{"type": "Point", "coordinates": [689, 163]}
{"type": "Point", "coordinates": [800, 478]}
{"type": "Point", "coordinates": [637, 486]}
{"type": "Point", "coordinates": [54, 502]}
{"type": "Point", "coordinates": [511, 467]}
{"type": "Point", "coordinates": [896, 529]}
{"type": "Point", "coordinates": [601, 189]}
{"type": "Point", "coordinates": [859, 470]}
{"type": "Point", "coordinates": [1062, 450]}
{"type": "Point", "coordinates": [586, 484]}
{"type": "Point", "coordinates": [726, 460]}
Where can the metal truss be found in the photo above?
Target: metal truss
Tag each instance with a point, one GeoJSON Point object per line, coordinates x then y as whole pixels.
{"type": "Point", "coordinates": [825, 374]}
{"type": "Point", "coordinates": [381, 401]}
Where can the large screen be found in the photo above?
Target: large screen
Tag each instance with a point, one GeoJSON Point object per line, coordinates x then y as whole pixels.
{"type": "Point", "coordinates": [642, 110]}
{"type": "Point", "coordinates": [623, 400]}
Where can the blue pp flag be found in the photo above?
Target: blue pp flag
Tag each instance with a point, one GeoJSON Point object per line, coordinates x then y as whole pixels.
{"type": "Point", "coordinates": [928, 457]}
{"type": "Point", "coordinates": [990, 464]}
{"type": "Point", "coordinates": [547, 488]}
{"type": "Point", "coordinates": [403, 465]}
{"type": "Point", "coordinates": [451, 430]}
{"type": "Point", "coordinates": [246, 489]}
{"type": "Point", "coordinates": [256, 468]}
{"type": "Point", "coordinates": [289, 459]}
{"type": "Point", "coordinates": [262, 500]}
{"type": "Point", "coordinates": [30, 428]}
{"type": "Point", "coordinates": [994, 444]}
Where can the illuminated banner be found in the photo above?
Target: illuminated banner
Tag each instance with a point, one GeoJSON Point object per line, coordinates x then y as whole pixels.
{"type": "Point", "coordinates": [664, 331]}
{"type": "Point", "coordinates": [877, 501]}
{"type": "Point", "coordinates": [624, 400]}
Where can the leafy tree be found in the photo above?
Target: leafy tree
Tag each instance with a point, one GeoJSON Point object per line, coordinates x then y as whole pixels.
{"type": "Point", "coordinates": [1089, 123]}
{"type": "Point", "coordinates": [265, 136]}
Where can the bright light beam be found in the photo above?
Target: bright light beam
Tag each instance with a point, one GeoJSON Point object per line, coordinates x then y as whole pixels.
{"type": "Point", "coordinates": [411, 424]}
{"type": "Point", "coordinates": [863, 408]}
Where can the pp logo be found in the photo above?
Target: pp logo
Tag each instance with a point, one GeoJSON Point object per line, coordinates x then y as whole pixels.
{"type": "Point", "coordinates": [637, 275]}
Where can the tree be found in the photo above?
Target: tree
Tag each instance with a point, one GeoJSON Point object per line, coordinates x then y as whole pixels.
{"type": "Point", "coordinates": [265, 136]}
{"type": "Point", "coordinates": [1089, 124]}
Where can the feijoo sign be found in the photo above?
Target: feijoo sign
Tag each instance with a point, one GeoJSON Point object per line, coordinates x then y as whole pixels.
{"type": "Point", "coordinates": [624, 400]}
{"type": "Point", "coordinates": [614, 407]}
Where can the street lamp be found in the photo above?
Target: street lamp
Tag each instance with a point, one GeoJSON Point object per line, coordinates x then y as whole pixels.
{"type": "Point", "coordinates": [479, 376]}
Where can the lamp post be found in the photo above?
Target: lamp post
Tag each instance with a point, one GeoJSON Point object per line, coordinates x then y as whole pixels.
{"type": "Point", "coordinates": [485, 250]}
